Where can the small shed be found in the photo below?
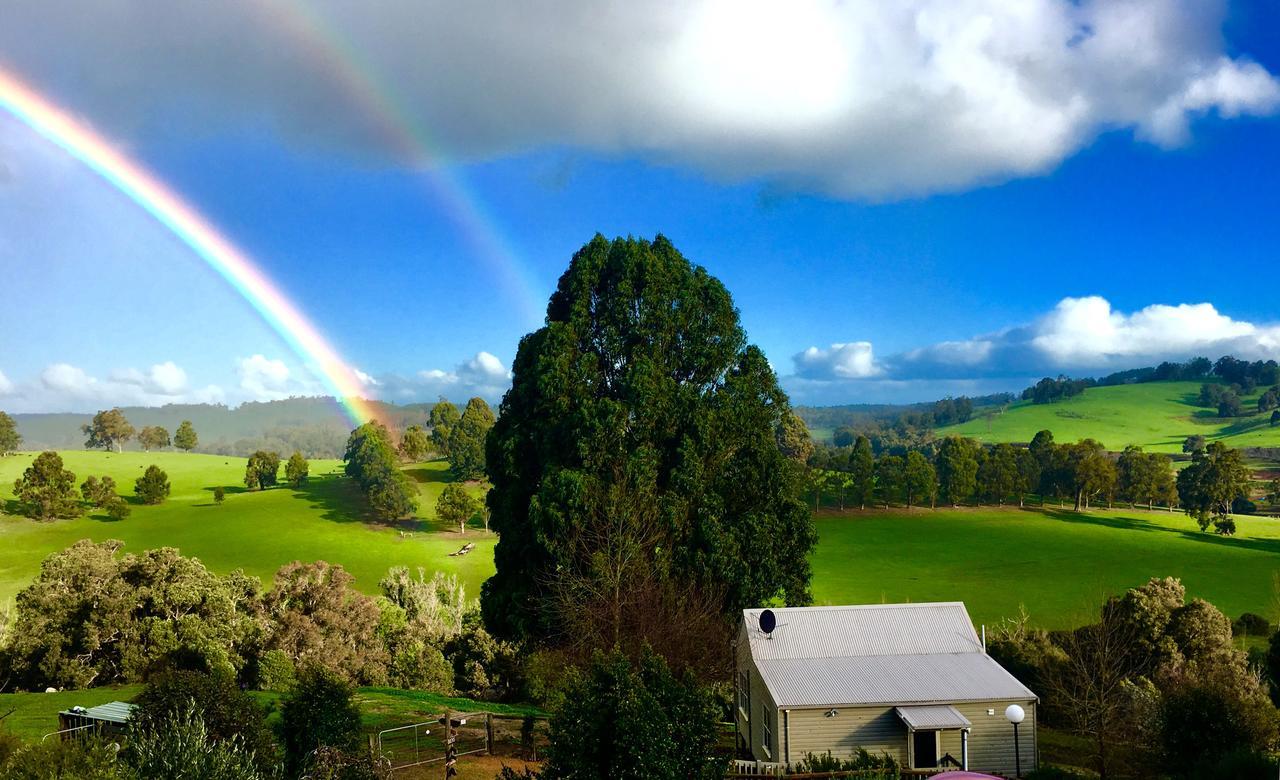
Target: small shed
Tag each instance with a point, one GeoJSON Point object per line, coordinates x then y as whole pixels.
{"type": "Point", "coordinates": [109, 718]}
{"type": "Point", "coordinates": [909, 680]}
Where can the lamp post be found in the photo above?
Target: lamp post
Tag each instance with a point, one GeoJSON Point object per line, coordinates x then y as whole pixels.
{"type": "Point", "coordinates": [1015, 715]}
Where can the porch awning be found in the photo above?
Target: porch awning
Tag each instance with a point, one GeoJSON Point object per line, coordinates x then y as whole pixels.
{"type": "Point", "coordinates": [932, 717]}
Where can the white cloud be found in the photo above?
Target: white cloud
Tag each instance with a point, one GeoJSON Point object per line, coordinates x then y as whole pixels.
{"type": "Point", "coordinates": [853, 360]}
{"type": "Point", "coordinates": [64, 387]}
{"type": "Point", "coordinates": [262, 378]}
{"type": "Point", "coordinates": [365, 379]}
{"type": "Point", "coordinates": [483, 375]}
{"type": "Point", "coordinates": [1079, 336]}
{"type": "Point", "coordinates": [861, 98]}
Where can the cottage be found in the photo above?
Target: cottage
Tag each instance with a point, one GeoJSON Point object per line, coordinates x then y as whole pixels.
{"type": "Point", "coordinates": [910, 680]}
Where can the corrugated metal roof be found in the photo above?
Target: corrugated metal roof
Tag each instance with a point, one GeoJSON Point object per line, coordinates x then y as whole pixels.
{"type": "Point", "coordinates": [875, 629]}
{"type": "Point", "coordinates": [930, 678]}
{"type": "Point", "coordinates": [933, 716]}
{"type": "Point", "coordinates": [114, 712]}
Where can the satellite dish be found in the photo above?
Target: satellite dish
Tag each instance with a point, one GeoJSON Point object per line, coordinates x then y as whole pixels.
{"type": "Point", "coordinates": [768, 621]}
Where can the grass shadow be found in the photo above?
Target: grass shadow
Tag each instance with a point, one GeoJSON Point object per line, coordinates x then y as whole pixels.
{"type": "Point", "coordinates": [230, 490]}
{"type": "Point", "coordinates": [337, 498]}
{"type": "Point", "coordinates": [419, 473]}
{"type": "Point", "coordinates": [1194, 534]}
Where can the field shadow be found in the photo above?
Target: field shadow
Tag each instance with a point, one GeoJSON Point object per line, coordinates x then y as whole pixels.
{"type": "Point", "coordinates": [419, 473]}
{"type": "Point", "coordinates": [1194, 534]}
{"type": "Point", "coordinates": [337, 498]}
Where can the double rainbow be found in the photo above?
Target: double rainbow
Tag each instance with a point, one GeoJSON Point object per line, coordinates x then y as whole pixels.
{"type": "Point", "coordinates": [339, 378]}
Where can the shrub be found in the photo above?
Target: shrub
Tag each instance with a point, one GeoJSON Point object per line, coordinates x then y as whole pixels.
{"type": "Point", "coordinates": [1237, 765]}
{"type": "Point", "coordinates": [1052, 773]}
{"type": "Point", "coordinates": [1251, 624]}
{"type": "Point", "coordinates": [118, 508]}
{"type": "Point", "coordinates": [153, 486]}
{"type": "Point", "coordinates": [182, 746]}
{"type": "Point", "coordinates": [82, 759]}
{"type": "Point", "coordinates": [320, 711]}
{"type": "Point", "coordinates": [219, 494]}
{"type": "Point", "coordinates": [223, 714]}
{"type": "Point", "coordinates": [861, 761]}
{"type": "Point", "coordinates": [484, 667]}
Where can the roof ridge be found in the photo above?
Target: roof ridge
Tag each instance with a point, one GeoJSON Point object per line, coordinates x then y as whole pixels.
{"type": "Point", "coordinates": [835, 607]}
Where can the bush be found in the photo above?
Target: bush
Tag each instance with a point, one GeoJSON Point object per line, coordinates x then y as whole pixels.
{"type": "Point", "coordinates": [861, 762]}
{"type": "Point", "coordinates": [82, 759]}
{"type": "Point", "coordinates": [118, 508]}
{"type": "Point", "coordinates": [319, 712]}
{"type": "Point", "coordinates": [276, 672]}
{"type": "Point", "coordinates": [1052, 773]}
{"type": "Point", "coordinates": [1251, 624]}
{"type": "Point", "coordinates": [484, 667]}
{"type": "Point", "coordinates": [224, 714]}
{"type": "Point", "coordinates": [625, 720]}
{"type": "Point", "coordinates": [219, 494]}
{"type": "Point", "coordinates": [182, 746]}
{"type": "Point", "coordinates": [1237, 765]}
{"type": "Point", "coordinates": [421, 666]}
{"type": "Point", "coordinates": [153, 486]}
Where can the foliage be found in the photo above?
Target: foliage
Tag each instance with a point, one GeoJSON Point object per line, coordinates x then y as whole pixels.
{"type": "Point", "coordinates": [185, 437]}
{"type": "Point", "coordinates": [183, 746]}
{"type": "Point", "coordinates": [444, 416]}
{"type": "Point", "coordinates": [623, 720]}
{"type": "Point", "coordinates": [957, 467]}
{"type": "Point", "coordinates": [1144, 477]}
{"type": "Point", "coordinates": [10, 439]}
{"type": "Point", "coordinates": [1250, 624]}
{"type": "Point", "coordinates": [467, 440]}
{"type": "Point", "coordinates": [210, 706]}
{"type": "Point", "coordinates": [318, 619]}
{"type": "Point", "coordinates": [862, 761]}
{"type": "Point", "coordinates": [153, 437]}
{"type": "Point", "coordinates": [98, 492]}
{"type": "Point", "coordinates": [219, 494]}
{"type": "Point", "coordinates": [46, 490]}
{"type": "Point", "coordinates": [262, 471]}
{"type": "Point", "coordinates": [642, 383]}
{"type": "Point", "coordinates": [296, 470]}
{"type": "Point", "coordinates": [1206, 488]}
{"type": "Point", "coordinates": [55, 759]}
{"type": "Point", "coordinates": [1048, 390]}
{"type": "Point", "coordinates": [108, 430]}
{"type": "Point", "coordinates": [456, 505]}
{"type": "Point", "coordinates": [276, 671]}
{"type": "Point", "coordinates": [320, 711]}
{"type": "Point", "coordinates": [919, 480]}
{"type": "Point", "coordinates": [371, 460]}
{"type": "Point", "coordinates": [435, 607]}
{"type": "Point", "coordinates": [484, 667]}
{"type": "Point", "coordinates": [94, 617]}
{"type": "Point", "coordinates": [415, 444]}
{"type": "Point", "coordinates": [118, 509]}
{"type": "Point", "coordinates": [153, 486]}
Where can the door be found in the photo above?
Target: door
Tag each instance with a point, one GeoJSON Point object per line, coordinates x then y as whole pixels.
{"type": "Point", "coordinates": [924, 749]}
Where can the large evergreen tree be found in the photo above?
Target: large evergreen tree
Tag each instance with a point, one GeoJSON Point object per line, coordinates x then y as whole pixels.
{"type": "Point", "coordinates": [466, 440]}
{"type": "Point", "coordinates": [957, 465]}
{"type": "Point", "coordinates": [641, 424]}
{"type": "Point", "coordinates": [46, 490]}
{"type": "Point", "coordinates": [185, 437]}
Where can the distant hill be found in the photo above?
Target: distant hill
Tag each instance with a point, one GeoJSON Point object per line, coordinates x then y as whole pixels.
{"type": "Point", "coordinates": [317, 426]}
{"type": "Point", "coordinates": [1156, 415]}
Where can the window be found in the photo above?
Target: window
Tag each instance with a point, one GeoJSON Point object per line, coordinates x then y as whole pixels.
{"type": "Point", "coordinates": [744, 694]}
{"type": "Point", "coordinates": [766, 730]}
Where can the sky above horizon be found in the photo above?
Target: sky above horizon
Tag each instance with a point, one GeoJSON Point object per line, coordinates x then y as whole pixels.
{"type": "Point", "coordinates": [906, 200]}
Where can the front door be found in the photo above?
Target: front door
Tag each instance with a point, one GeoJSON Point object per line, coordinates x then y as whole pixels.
{"type": "Point", "coordinates": [924, 749]}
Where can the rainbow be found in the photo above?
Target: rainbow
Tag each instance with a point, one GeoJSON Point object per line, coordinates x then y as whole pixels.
{"type": "Point", "coordinates": [330, 50]}
{"type": "Point", "coordinates": [339, 378]}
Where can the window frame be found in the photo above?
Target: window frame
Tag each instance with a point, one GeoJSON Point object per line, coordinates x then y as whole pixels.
{"type": "Point", "coordinates": [744, 694]}
{"type": "Point", "coordinates": [766, 730]}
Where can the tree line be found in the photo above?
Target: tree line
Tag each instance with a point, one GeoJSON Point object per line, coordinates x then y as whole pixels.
{"type": "Point", "coordinates": [959, 470]}
{"type": "Point", "coordinates": [1236, 377]}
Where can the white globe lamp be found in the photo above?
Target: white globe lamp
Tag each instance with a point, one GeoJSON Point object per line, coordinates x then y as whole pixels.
{"type": "Point", "coordinates": [1015, 715]}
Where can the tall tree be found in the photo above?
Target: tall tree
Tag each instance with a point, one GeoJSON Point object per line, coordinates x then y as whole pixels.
{"type": "Point", "coordinates": [262, 471]}
{"type": "Point", "coordinates": [46, 490]}
{"type": "Point", "coordinates": [444, 415]}
{"type": "Point", "coordinates": [10, 439]}
{"type": "Point", "coordinates": [466, 440]}
{"type": "Point", "coordinates": [998, 473]}
{"type": "Point", "coordinates": [862, 472]}
{"type": "Point", "coordinates": [153, 437]}
{"type": "Point", "coordinates": [794, 438]}
{"type": "Point", "coordinates": [456, 505]}
{"type": "Point", "coordinates": [642, 392]}
{"type": "Point", "coordinates": [109, 430]}
{"type": "Point", "coordinates": [957, 466]}
{"type": "Point", "coordinates": [297, 469]}
{"type": "Point", "coordinates": [890, 472]}
{"type": "Point", "coordinates": [1216, 477]}
{"type": "Point", "coordinates": [185, 437]}
{"type": "Point", "coordinates": [371, 460]}
{"type": "Point", "coordinates": [920, 481]}
{"type": "Point", "coordinates": [415, 444]}
{"type": "Point", "coordinates": [1087, 471]}
{"type": "Point", "coordinates": [1044, 450]}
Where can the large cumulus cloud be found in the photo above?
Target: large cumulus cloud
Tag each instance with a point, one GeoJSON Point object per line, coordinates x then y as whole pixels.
{"type": "Point", "coordinates": [860, 99]}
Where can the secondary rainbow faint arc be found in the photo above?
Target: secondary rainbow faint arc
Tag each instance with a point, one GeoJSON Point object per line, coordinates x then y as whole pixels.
{"type": "Point", "coordinates": [182, 220]}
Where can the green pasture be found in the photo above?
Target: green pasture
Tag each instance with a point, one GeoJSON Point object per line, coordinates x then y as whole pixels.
{"type": "Point", "coordinates": [254, 531]}
{"type": "Point", "coordinates": [1059, 564]}
{"type": "Point", "coordinates": [1155, 415]}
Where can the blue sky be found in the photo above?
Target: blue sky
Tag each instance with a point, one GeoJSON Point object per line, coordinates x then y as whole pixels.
{"type": "Point", "coordinates": [1039, 187]}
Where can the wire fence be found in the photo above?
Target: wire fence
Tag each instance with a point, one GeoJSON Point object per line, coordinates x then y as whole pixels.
{"type": "Point", "coordinates": [426, 742]}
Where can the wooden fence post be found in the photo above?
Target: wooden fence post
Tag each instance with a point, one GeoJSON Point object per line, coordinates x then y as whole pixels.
{"type": "Point", "coordinates": [488, 732]}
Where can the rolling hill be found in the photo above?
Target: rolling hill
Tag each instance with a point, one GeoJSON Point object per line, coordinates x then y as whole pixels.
{"type": "Point", "coordinates": [255, 531]}
{"type": "Point", "coordinates": [1156, 415]}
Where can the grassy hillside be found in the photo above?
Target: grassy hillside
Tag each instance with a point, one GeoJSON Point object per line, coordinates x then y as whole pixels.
{"type": "Point", "coordinates": [256, 531]}
{"type": "Point", "coordinates": [1156, 415]}
{"type": "Point", "coordinates": [1059, 564]}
